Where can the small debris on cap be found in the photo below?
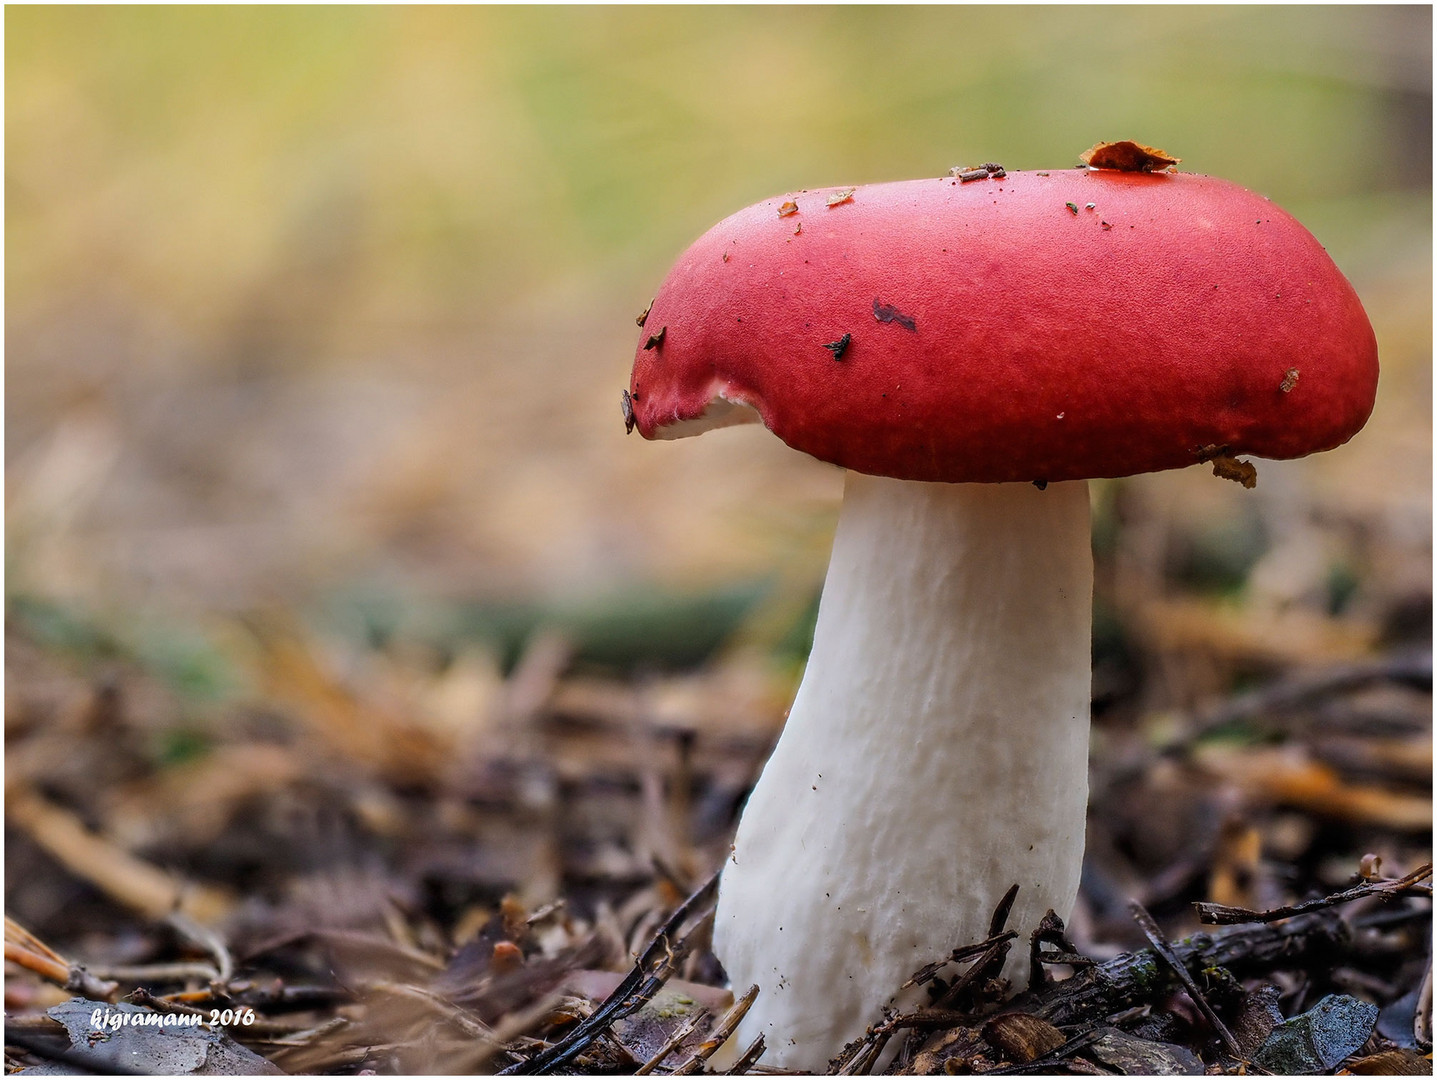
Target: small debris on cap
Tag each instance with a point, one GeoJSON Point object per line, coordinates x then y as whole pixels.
{"type": "Point", "coordinates": [1073, 207]}
{"type": "Point", "coordinates": [790, 207]}
{"type": "Point", "coordinates": [1230, 468]}
{"type": "Point", "coordinates": [888, 313]}
{"type": "Point", "coordinates": [846, 195]}
{"type": "Point", "coordinates": [1127, 156]}
{"type": "Point", "coordinates": [626, 402]}
{"type": "Point", "coordinates": [839, 347]}
{"type": "Point", "coordinates": [989, 169]}
{"type": "Point", "coordinates": [655, 340]}
{"type": "Point", "coordinates": [1289, 380]}
{"type": "Point", "coordinates": [643, 315]}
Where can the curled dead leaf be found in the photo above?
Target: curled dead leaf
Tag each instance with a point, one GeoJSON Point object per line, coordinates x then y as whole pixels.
{"type": "Point", "coordinates": [1230, 468]}
{"type": "Point", "coordinates": [1127, 156]}
{"type": "Point", "coordinates": [1021, 1037]}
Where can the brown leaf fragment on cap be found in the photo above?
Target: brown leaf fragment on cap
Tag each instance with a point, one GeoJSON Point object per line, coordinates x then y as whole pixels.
{"type": "Point", "coordinates": [972, 174]}
{"type": "Point", "coordinates": [790, 207]}
{"type": "Point", "coordinates": [1021, 1037]}
{"type": "Point", "coordinates": [846, 195]}
{"type": "Point", "coordinates": [1127, 156]}
{"type": "Point", "coordinates": [1230, 468]}
{"type": "Point", "coordinates": [643, 315]}
{"type": "Point", "coordinates": [1289, 380]}
{"type": "Point", "coordinates": [655, 340]}
{"type": "Point", "coordinates": [627, 404]}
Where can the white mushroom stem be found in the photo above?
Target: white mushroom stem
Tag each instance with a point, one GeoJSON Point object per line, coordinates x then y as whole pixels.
{"type": "Point", "coordinates": [936, 754]}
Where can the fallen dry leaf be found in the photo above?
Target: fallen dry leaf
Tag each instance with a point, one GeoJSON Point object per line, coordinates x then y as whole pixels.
{"type": "Point", "coordinates": [1127, 156]}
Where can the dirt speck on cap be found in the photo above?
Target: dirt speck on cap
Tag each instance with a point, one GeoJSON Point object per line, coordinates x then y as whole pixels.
{"type": "Point", "coordinates": [887, 313]}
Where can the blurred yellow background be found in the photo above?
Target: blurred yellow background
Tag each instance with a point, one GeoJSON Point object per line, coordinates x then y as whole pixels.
{"type": "Point", "coordinates": [304, 300]}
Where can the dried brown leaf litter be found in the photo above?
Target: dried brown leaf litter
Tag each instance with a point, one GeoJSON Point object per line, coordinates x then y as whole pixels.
{"type": "Point", "coordinates": [428, 856]}
{"type": "Point", "coordinates": [1127, 156]}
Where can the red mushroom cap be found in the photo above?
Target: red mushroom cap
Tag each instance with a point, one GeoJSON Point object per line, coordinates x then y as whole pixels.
{"type": "Point", "coordinates": [1041, 326]}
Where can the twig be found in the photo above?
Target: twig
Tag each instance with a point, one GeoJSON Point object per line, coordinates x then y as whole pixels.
{"type": "Point", "coordinates": [999, 922]}
{"type": "Point", "coordinates": [650, 973]}
{"type": "Point", "coordinates": [455, 1015]}
{"type": "Point", "coordinates": [300, 1041]}
{"type": "Point", "coordinates": [208, 940]}
{"type": "Point", "coordinates": [1137, 978]}
{"type": "Point", "coordinates": [990, 962]}
{"type": "Point", "coordinates": [674, 1042]}
{"type": "Point", "coordinates": [1409, 667]}
{"type": "Point", "coordinates": [1223, 914]}
{"type": "Point", "coordinates": [180, 972]}
{"type": "Point", "coordinates": [1153, 932]}
{"type": "Point", "coordinates": [749, 1058]}
{"type": "Point", "coordinates": [42, 966]}
{"type": "Point", "coordinates": [720, 1034]}
{"type": "Point", "coordinates": [146, 1000]}
{"type": "Point", "coordinates": [28, 951]}
{"type": "Point", "coordinates": [966, 952]}
{"type": "Point", "coordinates": [131, 881]}
{"type": "Point", "coordinates": [1050, 931]}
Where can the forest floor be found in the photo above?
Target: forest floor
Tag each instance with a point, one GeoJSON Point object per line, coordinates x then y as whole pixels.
{"type": "Point", "coordinates": [394, 854]}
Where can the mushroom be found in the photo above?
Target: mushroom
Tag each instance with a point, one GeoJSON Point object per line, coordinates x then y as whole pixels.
{"type": "Point", "coordinates": [1000, 352]}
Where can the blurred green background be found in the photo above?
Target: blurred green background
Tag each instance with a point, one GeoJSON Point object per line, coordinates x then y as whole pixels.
{"type": "Point", "coordinates": [306, 303]}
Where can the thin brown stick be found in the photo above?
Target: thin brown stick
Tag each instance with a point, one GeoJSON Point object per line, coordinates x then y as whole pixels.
{"type": "Point", "coordinates": [207, 939]}
{"type": "Point", "coordinates": [1223, 914]}
{"type": "Point", "coordinates": [649, 973]}
{"type": "Point", "coordinates": [131, 881]}
{"type": "Point", "coordinates": [966, 952]}
{"type": "Point", "coordinates": [749, 1058]}
{"type": "Point", "coordinates": [1148, 925]}
{"type": "Point", "coordinates": [29, 952]}
{"type": "Point", "coordinates": [178, 972]}
{"type": "Point", "coordinates": [674, 1042]}
{"type": "Point", "coordinates": [720, 1034]}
